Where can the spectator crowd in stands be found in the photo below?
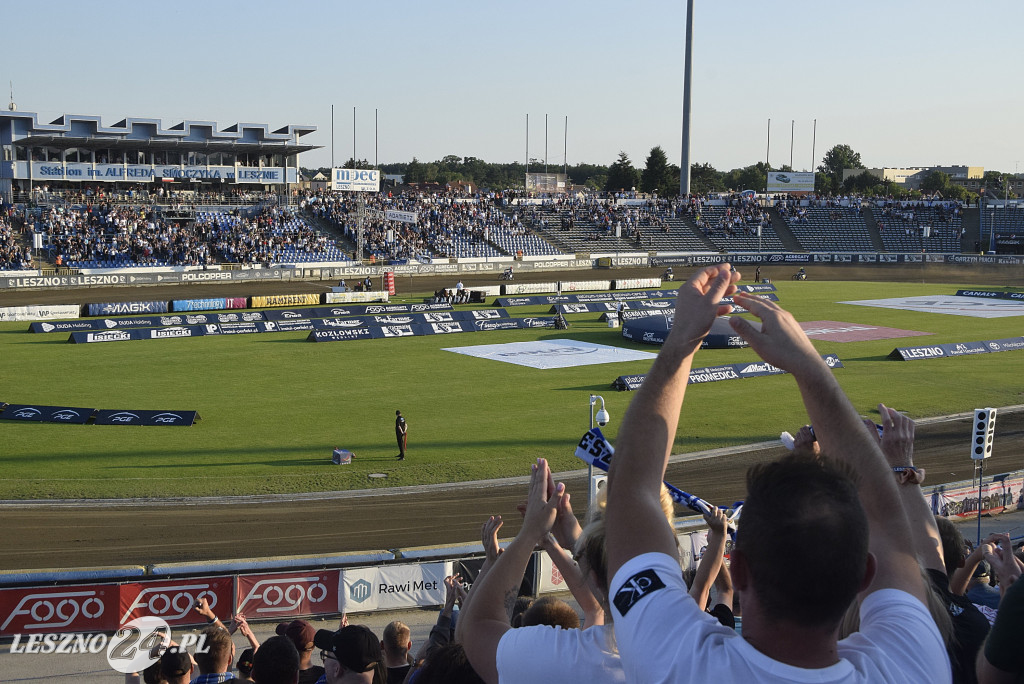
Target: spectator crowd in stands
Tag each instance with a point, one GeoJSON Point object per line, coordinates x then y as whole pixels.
{"type": "Point", "coordinates": [120, 235]}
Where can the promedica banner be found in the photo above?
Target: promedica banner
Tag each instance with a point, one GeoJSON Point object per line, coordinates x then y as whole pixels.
{"type": "Point", "coordinates": [733, 371]}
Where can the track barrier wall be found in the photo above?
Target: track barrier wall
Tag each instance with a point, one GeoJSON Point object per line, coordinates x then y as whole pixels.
{"type": "Point", "coordinates": [102, 599]}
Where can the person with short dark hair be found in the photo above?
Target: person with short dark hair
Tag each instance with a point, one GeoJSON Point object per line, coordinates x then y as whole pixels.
{"type": "Point", "coordinates": [276, 662]}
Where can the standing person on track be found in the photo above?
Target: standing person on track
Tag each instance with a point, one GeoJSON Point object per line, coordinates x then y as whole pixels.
{"type": "Point", "coordinates": [401, 434]}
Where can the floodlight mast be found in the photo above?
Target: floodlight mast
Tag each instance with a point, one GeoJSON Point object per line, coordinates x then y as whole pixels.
{"type": "Point", "coordinates": [684, 166]}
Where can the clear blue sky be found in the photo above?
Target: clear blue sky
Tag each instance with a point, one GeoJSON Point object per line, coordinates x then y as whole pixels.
{"type": "Point", "coordinates": [903, 82]}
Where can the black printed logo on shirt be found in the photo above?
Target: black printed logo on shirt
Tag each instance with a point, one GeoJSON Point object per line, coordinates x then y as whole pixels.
{"type": "Point", "coordinates": [635, 588]}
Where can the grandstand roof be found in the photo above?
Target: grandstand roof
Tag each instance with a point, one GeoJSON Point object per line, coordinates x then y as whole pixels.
{"type": "Point", "coordinates": [106, 143]}
{"type": "Point", "coordinates": [133, 133]}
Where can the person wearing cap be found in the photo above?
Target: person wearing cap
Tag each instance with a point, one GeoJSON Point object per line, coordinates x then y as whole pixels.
{"type": "Point", "coordinates": [244, 666]}
{"type": "Point", "coordinates": [401, 434]}
{"type": "Point", "coordinates": [276, 662]}
{"type": "Point", "coordinates": [301, 634]}
{"type": "Point", "coordinates": [350, 655]}
{"type": "Point", "coordinates": [176, 666]}
{"type": "Point", "coordinates": [979, 591]}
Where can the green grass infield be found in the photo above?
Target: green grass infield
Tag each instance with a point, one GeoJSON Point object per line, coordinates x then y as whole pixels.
{"type": "Point", "coordinates": [273, 406]}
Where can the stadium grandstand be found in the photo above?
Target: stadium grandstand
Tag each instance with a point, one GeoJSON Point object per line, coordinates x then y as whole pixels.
{"type": "Point", "coordinates": [78, 194]}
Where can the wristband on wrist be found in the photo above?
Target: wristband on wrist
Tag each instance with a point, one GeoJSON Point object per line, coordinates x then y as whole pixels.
{"type": "Point", "coordinates": [900, 469]}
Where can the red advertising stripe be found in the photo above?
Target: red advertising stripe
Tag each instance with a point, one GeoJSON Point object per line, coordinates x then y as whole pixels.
{"type": "Point", "coordinates": [286, 595]}
{"type": "Point", "coordinates": [174, 600]}
{"type": "Point", "coordinates": [82, 608]}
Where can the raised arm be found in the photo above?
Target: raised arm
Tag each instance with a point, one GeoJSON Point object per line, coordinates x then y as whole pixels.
{"type": "Point", "coordinates": [635, 521]}
{"type": "Point", "coordinates": [897, 443]}
{"type": "Point", "coordinates": [712, 561]}
{"type": "Point", "coordinates": [484, 619]}
{"type": "Point", "coordinates": [593, 613]}
{"type": "Point", "coordinates": [842, 435]}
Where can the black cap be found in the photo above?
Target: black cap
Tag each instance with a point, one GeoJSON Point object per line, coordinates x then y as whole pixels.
{"type": "Point", "coordinates": [356, 646]}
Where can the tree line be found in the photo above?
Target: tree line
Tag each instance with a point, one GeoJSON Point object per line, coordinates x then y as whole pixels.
{"type": "Point", "coordinates": [658, 176]}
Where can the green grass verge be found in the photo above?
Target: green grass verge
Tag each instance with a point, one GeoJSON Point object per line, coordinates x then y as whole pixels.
{"type": "Point", "coordinates": [273, 405]}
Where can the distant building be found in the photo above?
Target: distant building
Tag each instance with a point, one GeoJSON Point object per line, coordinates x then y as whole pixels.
{"type": "Point", "coordinates": [967, 177]}
{"type": "Point", "coordinates": [75, 152]}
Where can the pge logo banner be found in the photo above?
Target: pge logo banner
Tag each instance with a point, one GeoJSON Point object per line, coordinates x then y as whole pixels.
{"type": "Point", "coordinates": [174, 600]}
{"type": "Point", "coordinates": [82, 608]}
{"type": "Point", "coordinates": [285, 300]}
{"type": "Point", "coordinates": [47, 414]}
{"type": "Point", "coordinates": [114, 308]}
{"type": "Point", "coordinates": [151, 418]}
{"type": "Point", "coordinates": [393, 587]}
{"type": "Point", "coordinates": [289, 594]}
{"type": "Point", "coordinates": [198, 304]}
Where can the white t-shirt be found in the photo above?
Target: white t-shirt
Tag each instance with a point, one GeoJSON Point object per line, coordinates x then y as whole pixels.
{"type": "Point", "coordinates": [664, 637]}
{"type": "Point", "coordinates": [539, 654]}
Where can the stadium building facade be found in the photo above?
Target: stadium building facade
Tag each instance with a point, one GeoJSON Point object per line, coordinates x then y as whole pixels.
{"type": "Point", "coordinates": [80, 153]}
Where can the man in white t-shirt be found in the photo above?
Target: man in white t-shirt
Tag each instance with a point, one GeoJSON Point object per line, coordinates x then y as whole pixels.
{"type": "Point", "coordinates": [802, 511]}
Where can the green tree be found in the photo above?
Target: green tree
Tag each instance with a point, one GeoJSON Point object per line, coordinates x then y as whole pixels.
{"type": "Point", "coordinates": [705, 178]}
{"type": "Point", "coordinates": [753, 177]}
{"type": "Point", "coordinates": [656, 176]}
{"type": "Point", "coordinates": [936, 181]}
{"type": "Point", "coordinates": [622, 175]}
{"type": "Point", "coordinates": [835, 160]}
{"type": "Point", "coordinates": [414, 172]}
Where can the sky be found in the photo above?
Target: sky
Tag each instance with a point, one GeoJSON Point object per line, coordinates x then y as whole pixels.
{"type": "Point", "coordinates": [902, 82]}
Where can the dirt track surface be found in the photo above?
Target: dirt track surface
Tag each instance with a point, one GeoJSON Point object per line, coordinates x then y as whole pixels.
{"type": "Point", "coordinates": [73, 537]}
{"type": "Point", "coordinates": [69, 536]}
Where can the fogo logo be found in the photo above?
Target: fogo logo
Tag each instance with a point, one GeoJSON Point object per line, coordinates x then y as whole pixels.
{"type": "Point", "coordinates": [170, 603]}
{"type": "Point", "coordinates": [284, 595]}
{"type": "Point", "coordinates": [360, 591]}
{"type": "Point", "coordinates": [55, 610]}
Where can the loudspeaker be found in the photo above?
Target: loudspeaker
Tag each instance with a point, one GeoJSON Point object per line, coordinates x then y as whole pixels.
{"type": "Point", "coordinates": [984, 432]}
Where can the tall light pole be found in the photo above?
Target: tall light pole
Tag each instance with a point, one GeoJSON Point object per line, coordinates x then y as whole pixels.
{"type": "Point", "coordinates": [602, 418]}
{"type": "Point", "coordinates": [684, 165]}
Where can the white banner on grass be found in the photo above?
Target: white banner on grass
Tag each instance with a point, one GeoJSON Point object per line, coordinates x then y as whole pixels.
{"type": "Point", "coordinates": [39, 312]}
{"type": "Point", "coordinates": [546, 354]}
{"type": "Point", "coordinates": [392, 587]}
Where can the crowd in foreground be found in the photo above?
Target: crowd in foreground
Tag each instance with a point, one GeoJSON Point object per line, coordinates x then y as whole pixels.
{"type": "Point", "coordinates": [838, 572]}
